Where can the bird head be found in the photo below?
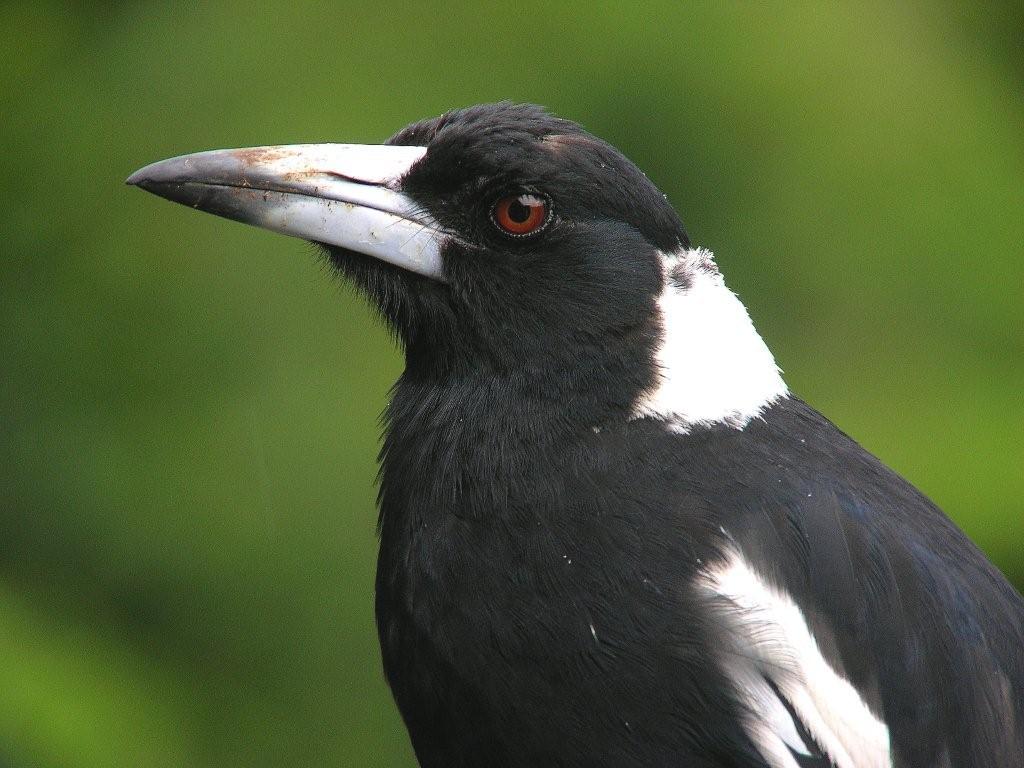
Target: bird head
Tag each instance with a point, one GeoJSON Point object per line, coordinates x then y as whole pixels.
{"type": "Point", "coordinates": [494, 240]}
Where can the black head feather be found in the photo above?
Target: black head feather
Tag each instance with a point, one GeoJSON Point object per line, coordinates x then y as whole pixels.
{"type": "Point", "coordinates": [580, 295]}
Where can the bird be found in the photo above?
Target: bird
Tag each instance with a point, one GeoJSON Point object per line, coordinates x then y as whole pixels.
{"type": "Point", "coordinates": [609, 533]}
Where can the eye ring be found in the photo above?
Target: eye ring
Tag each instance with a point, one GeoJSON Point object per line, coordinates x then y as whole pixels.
{"type": "Point", "coordinates": [522, 214]}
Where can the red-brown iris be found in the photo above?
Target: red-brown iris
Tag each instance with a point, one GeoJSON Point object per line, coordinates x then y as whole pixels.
{"type": "Point", "coordinates": [521, 214]}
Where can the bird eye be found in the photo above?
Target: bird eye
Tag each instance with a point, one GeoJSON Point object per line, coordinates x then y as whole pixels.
{"type": "Point", "coordinates": [521, 215]}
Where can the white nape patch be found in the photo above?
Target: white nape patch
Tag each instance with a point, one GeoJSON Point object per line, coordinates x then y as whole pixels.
{"type": "Point", "coordinates": [769, 643]}
{"type": "Point", "coordinates": [714, 365]}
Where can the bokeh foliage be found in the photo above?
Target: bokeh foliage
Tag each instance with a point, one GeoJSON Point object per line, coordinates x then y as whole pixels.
{"type": "Point", "coordinates": [189, 406]}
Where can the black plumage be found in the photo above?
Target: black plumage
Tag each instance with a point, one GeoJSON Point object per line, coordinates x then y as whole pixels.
{"type": "Point", "coordinates": [542, 589]}
{"type": "Point", "coordinates": [567, 601]}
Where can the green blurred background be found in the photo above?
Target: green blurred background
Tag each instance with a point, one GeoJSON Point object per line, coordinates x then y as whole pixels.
{"type": "Point", "coordinates": [189, 406]}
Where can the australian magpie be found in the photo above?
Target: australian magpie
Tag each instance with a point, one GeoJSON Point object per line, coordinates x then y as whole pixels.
{"type": "Point", "coordinates": [609, 534]}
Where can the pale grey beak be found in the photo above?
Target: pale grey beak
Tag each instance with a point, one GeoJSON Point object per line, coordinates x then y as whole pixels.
{"type": "Point", "coordinates": [339, 194]}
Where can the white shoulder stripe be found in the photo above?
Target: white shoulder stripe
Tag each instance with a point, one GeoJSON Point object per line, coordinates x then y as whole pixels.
{"type": "Point", "coordinates": [771, 727]}
{"type": "Point", "coordinates": [770, 644]}
{"type": "Point", "coordinates": [714, 366]}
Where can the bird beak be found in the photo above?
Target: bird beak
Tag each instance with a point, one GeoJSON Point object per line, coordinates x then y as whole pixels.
{"type": "Point", "coordinates": [338, 194]}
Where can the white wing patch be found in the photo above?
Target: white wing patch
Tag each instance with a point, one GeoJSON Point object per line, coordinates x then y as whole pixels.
{"type": "Point", "coordinates": [771, 651]}
{"type": "Point", "coordinates": [714, 365]}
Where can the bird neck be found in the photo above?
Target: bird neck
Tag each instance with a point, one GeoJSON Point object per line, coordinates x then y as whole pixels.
{"type": "Point", "coordinates": [460, 442]}
{"type": "Point", "coordinates": [456, 422]}
{"type": "Point", "coordinates": [692, 359]}
{"type": "Point", "coordinates": [713, 366]}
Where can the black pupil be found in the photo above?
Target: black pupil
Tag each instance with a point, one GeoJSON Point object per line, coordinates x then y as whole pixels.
{"type": "Point", "coordinates": [518, 212]}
